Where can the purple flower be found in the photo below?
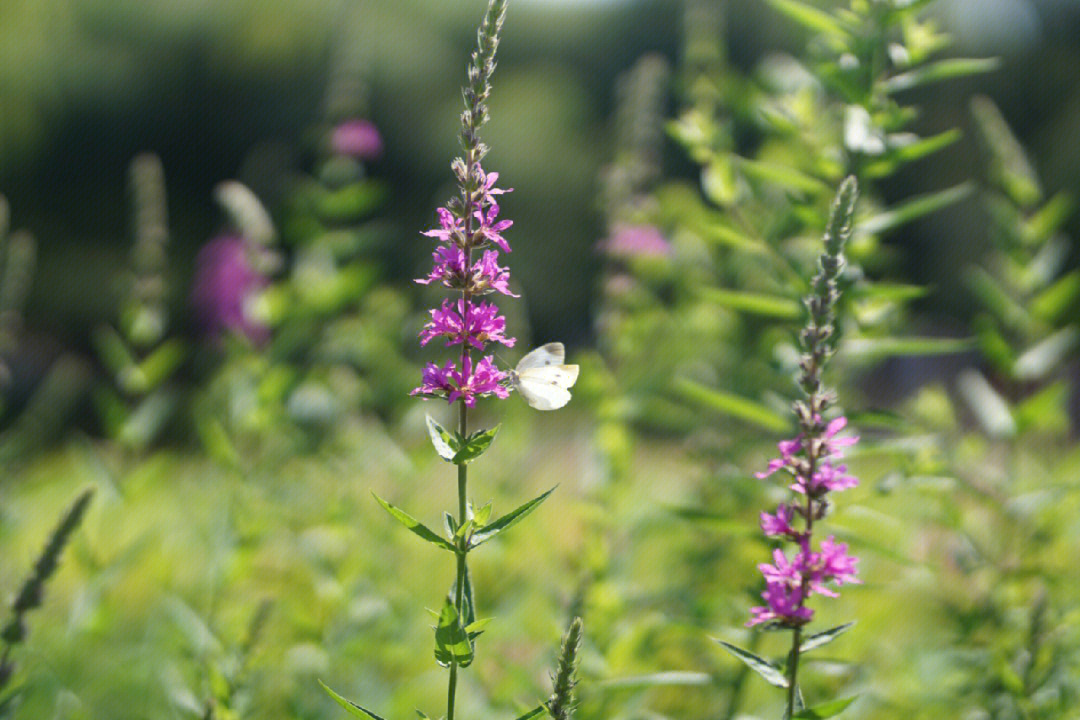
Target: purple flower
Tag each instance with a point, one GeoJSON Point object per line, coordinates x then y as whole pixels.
{"type": "Point", "coordinates": [813, 465]}
{"type": "Point", "coordinates": [452, 269]}
{"type": "Point", "coordinates": [468, 383]}
{"type": "Point", "coordinates": [357, 138]}
{"type": "Point", "coordinates": [491, 231]}
{"type": "Point", "coordinates": [451, 230]}
{"type": "Point", "coordinates": [778, 524]}
{"type": "Point", "coordinates": [466, 322]}
{"type": "Point", "coordinates": [628, 241]}
{"type": "Point", "coordinates": [462, 321]}
{"type": "Point", "coordinates": [784, 604]}
{"type": "Point", "coordinates": [222, 289]}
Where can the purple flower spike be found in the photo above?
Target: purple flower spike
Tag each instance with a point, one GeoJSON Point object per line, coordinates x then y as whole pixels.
{"type": "Point", "coordinates": [222, 289]}
{"type": "Point", "coordinates": [357, 138]}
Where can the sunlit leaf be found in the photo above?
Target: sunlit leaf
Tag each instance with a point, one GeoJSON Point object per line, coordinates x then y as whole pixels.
{"type": "Point", "coordinates": [938, 71]}
{"type": "Point", "coordinates": [535, 712]}
{"type": "Point", "coordinates": [475, 446]}
{"type": "Point", "coordinates": [823, 638]}
{"type": "Point", "coordinates": [415, 526]}
{"type": "Point", "coordinates": [767, 670]}
{"type": "Point", "coordinates": [824, 710]}
{"type": "Point", "coordinates": [734, 406]}
{"type": "Point", "coordinates": [508, 520]}
{"type": "Point", "coordinates": [913, 209]}
{"type": "Point", "coordinates": [354, 709]}
{"type": "Point", "coordinates": [442, 439]}
{"type": "Point", "coordinates": [774, 306]}
{"type": "Point", "coordinates": [811, 17]}
{"type": "Point", "coordinates": [452, 642]}
{"type": "Point", "coordinates": [867, 349]}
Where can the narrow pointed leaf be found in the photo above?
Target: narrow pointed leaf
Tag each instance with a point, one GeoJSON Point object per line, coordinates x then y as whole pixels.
{"type": "Point", "coordinates": [354, 709]}
{"type": "Point", "coordinates": [536, 711]}
{"type": "Point", "coordinates": [508, 520]}
{"type": "Point", "coordinates": [940, 70]}
{"type": "Point", "coordinates": [760, 665]}
{"type": "Point", "coordinates": [913, 210]}
{"type": "Point", "coordinates": [475, 446]}
{"type": "Point", "coordinates": [734, 406]}
{"type": "Point", "coordinates": [415, 526]}
{"type": "Point", "coordinates": [774, 306]}
{"type": "Point", "coordinates": [783, 176]}
{"type": "Point", "coordinates": [824, 638]}
{"type": "Point", "coordinates": [911, 152]}
{"type": "Point", "coordinates": [824, 710]}
{"type": "Point", "coordinates": [1048, 354]}
{"type": "Point", "coordinates": [990, 409]}
{"type": "Point", "coordinates": [810, 17]}
{"type": "Point", "coordinates": [482, 515]}
{"type": "Point", "coordinates": [867, 349]}
{"type": "Point", "coordinates": [1059, 300]}
{"type": "Point", "coordinates": [442, 439]}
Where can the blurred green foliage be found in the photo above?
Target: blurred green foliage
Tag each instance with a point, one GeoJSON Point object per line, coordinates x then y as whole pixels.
{"type": "Point", "coordinates": [729, 139]}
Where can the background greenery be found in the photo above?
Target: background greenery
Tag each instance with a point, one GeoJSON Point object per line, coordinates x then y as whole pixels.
{"type": "Point", "coordinates": [966, 531]}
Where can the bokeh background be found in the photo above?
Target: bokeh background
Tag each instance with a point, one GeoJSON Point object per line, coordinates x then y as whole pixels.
{"type": "Point", "coordinates": [232, 555]}
{"type": "Point", "coordinates": [228, 90]}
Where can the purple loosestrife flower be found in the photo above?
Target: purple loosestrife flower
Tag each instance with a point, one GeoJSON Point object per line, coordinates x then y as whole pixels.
{"type": "Point", "coordinates": [812, 460]}
{"type": "Point", "coordinates": [466, 322]}
{"type": "Point", "coordinates": [467, 384]}
{"type": "Point", "coordinates": [225, 283]}
{"type": "Point", "coordinates": [468, 225]}
{"type": "Point", "coordinates": [357, 138]}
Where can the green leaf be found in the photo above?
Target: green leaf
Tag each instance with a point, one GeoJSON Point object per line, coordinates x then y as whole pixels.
{"type": "Point", "coordinates": [783, 176]}
{"type": "Point", "coordinates": [868, 349]}
{"type": "Point", "coordinates": [1059, 300]}
{"type": "Point", "coordinates": [672, 678]}
{"type": "Point", "coordinates": [770, 672]}
{"type": "Point", "coordinates": [912, 209]}
{"type": "Point", "coordinates": [538, 710]}
{"type": "Point", "coordinates": [443, 440]}
{"type": "Point", "coordinates": [482, 515]}
{"type": "Point", "coordinates": [811, 17]}
{"type": "Point", "coordinates": [475, 446]}
{"type": "Point", "coordinates": [734, 406]}
{"type": "Point", "coordinates": [354, 709]}
{"type": "Point", "coordinates": [508, 520]}
{"type": "Point", "coordinates": [824, 638]}
{"type": "Point", "coordinates": [910, 153]}
{"type": "Point", "coordinates": [824, 710]}
{"type": "Point", "coordinates": [1047, 355]}
{"type": "Point", "coordinates": [774, 306]}
{"type": "Point", "coordinates": [990, 409]}
{"type": "Point", "coordinates": [452, 642]}
{"type": "Point", "coordinates": [938, 71]}
{"type": "Point", "coordinates": [415, 526]}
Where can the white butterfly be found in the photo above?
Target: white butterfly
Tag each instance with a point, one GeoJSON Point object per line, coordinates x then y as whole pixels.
{"type": "Point", "coordinates": [542, 379]}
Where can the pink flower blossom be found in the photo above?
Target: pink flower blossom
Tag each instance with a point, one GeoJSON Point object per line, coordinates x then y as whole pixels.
{"type": "Point", "coordinates": [357, 138]}
{"type": "Point", "coordinates": [628, 241]}
{"type": "Point", "coordinates": [466, 322]}
{"type": "Point", "coordinates": [468, 383]}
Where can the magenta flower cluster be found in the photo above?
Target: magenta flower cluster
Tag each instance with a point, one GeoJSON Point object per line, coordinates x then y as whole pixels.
{"type": "Point", "coordinates": [789, 582]}
{"type": "Point", "coordinates": [466, 261]}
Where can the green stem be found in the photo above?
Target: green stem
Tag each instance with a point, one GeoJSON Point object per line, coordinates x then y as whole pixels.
{"type": "Point", "coordinates": [793, 670]}
{"type": "Point", "coordinates": [459, 591]}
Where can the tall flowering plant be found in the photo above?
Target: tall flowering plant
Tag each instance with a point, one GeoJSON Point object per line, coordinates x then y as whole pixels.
{"type": "Point", "coordinates": [466, 262]}
{"type": "Point", "coordinates": [811, 464]}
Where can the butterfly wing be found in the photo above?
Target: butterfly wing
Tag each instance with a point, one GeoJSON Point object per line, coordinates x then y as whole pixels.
{"type": "Point", "coordinates": [543, 356]}
{"type": "Point", "coordinates": [546, 388]}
